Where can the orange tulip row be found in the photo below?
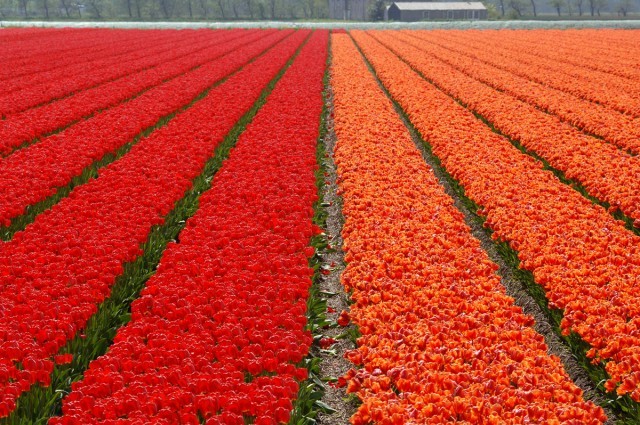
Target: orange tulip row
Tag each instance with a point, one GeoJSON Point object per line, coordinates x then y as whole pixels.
{"type": "Point", "coordinates": [503, 73]}
{"type": "Point", "coordinates": [547, 56]}
{"type": "Point", "coordinates": [619, 93]}
{"type": "Point", "coordinates": [441, 341]}
{"type": "Point", "coordinates": [596, 80]}
{"type": "Point", "coordinates": [619, 41]}
{"type": "Point", "coordinates": [606, 172]}
{"type": "Point", "coordinates": [616, 50]}
{"type": "Point", "coordinates": [587, 262]}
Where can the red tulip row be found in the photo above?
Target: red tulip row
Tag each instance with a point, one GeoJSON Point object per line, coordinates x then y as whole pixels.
{"type": "Point", "coordinates": [219, 329]}
{"type": "Point", "coordinates": [62, 50]}
{"type": "Point", "coordinates": [124, 50]}
{"type": "Point", "coordinates": [499, 72]}
{"type": "Point", "coordinates": [441, 341]}
{"type": "Point", "coordinates": [618, 93]}
{"type": "Point", "coordinates": [587, 262]}
{"type": "Point", "coordinates": [606, 172]}
{"type": "Point", "coordinates": [28, 43]}
{"type": "Point", "coordinates": [32, 174]}
{"type": "Point", "coordinates": [24, 126]}
{"type": "Point", "coordinates": [62, 266]}
{"type": "Point", "coordinates": [145, 55]}
{"type": "Point", "coordinates": [14, 34]}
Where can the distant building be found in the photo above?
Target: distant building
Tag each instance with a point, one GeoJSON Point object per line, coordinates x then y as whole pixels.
{"type": "Point", "coordinates": [386, 12]}
{"type": "Point", "coordinates": [442, 11]}
{"type": "Point", "coordinates": [349, 10]}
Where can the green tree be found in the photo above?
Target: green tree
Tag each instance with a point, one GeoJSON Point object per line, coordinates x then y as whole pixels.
{"type": "Point", "coordinates": [557, 5]}
{"type": "Point", "coordinates": [518, 7]}
{"type": "Point", "coordinates": [376, 13]}
{"type": "Point", "coordinates": [624, 7]}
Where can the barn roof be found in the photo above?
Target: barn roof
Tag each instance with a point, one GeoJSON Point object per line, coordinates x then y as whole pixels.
{"type": "Point", "coordinates": [457, 5]}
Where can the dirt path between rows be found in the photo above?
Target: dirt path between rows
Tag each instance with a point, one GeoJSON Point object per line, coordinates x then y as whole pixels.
{"type": "Point", "coordinates": [334, 365]}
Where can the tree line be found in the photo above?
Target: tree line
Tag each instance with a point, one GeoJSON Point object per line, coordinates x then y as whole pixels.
{"type": "Point", "coordinates": [571, 8]}
{"type": "Point", "coordinates": [215, 10]}
{"type": "Point", "coordinates": [140, 10]}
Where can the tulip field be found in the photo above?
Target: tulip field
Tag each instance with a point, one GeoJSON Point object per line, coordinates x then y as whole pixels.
{"type": "Point", "coordinates": [168, 202]}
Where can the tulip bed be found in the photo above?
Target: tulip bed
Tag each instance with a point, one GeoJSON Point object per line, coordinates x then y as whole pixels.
{"type": "Point", "coordinates": [36, 172]}
{"type": "Point", "coordinates": [21, 128]}
{"type": "Point", "coordinates": [500, 69]}
{"type": "Point", "coordinates": [603, 170]}
{"type": "Point", "coordinates": [161, 192]}
{"type": "Point", "coordinates": [440, 339]}
{"type": "Point", "coordinates": [218, 330]}
{"type": "Point", "coordinates": [617, 61]}
{"type": "Point", "coordinates": [586, 261]}
{"type": "Point", "coordinates": [615, 92]}
{"type": "Point", "coordinates": [144, 55]}
{"type": "Point", "coordinates": [63, 265]}
{"type": "Point", "coordinates": [58, 49]}
{"type": "Point", "coordinates": [130, 51]}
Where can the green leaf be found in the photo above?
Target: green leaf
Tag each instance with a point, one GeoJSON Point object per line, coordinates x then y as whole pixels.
{"type": "Point", "coordinates": [324, 407]}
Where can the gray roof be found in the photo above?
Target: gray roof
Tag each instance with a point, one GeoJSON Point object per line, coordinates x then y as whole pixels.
{"type": "Point", "coordinates": [457, 5]}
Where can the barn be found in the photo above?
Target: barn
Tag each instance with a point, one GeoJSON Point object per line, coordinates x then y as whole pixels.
{"type": "Point", "coordinates": [441, 11]}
